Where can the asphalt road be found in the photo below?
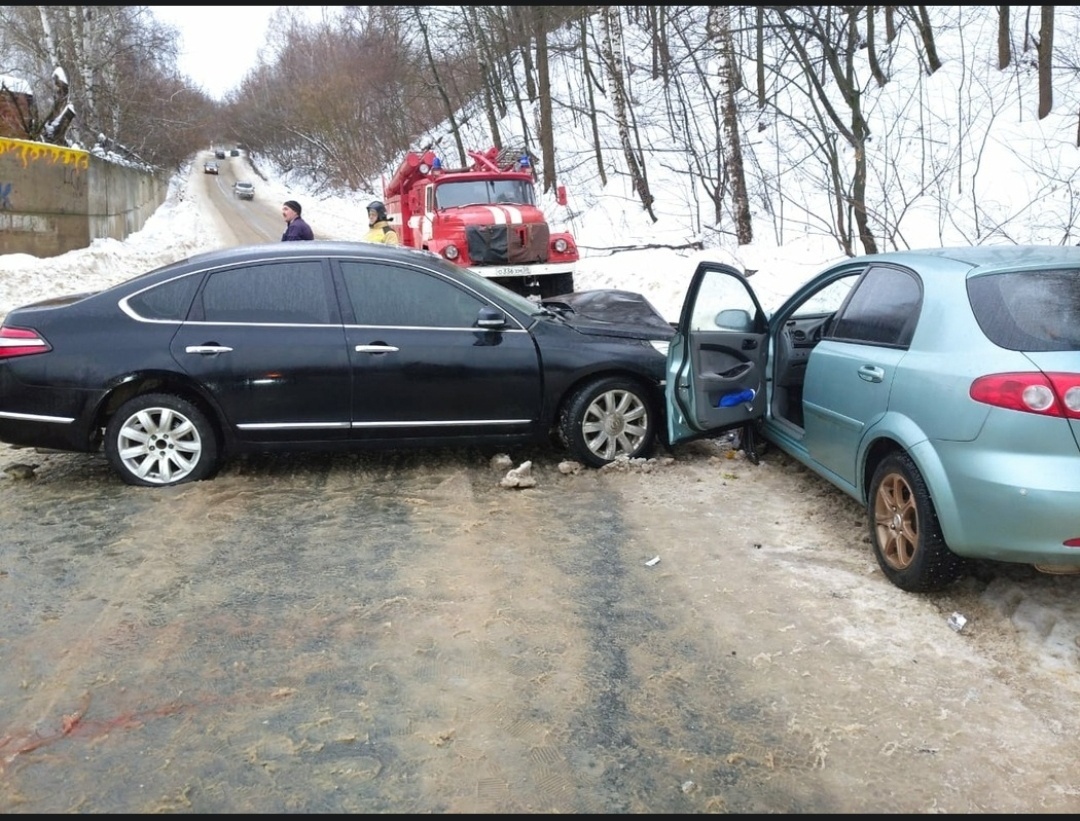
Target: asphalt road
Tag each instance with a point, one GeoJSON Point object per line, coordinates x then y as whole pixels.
{"type": "Point", "coordinates": [242, 221]}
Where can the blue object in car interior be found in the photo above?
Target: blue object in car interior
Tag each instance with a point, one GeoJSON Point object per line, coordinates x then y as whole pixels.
{"type": "Point", "coordinates": [730, 400]}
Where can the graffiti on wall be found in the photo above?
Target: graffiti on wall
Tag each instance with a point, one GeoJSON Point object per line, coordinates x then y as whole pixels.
{"type": "Point", "coordinates": [27, 152]}
{"type": "Point", "coordinates": [5, 196]}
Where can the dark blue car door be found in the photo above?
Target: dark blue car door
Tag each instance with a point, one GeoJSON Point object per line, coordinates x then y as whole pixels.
{"type": "Point", "coordinates": [266, 342]}
{"type": "Point", "coordinates": [422, 367]}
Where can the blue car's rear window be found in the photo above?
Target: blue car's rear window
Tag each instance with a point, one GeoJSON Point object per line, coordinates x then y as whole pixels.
{"type": "Point", "coordinates": [1029, 310]}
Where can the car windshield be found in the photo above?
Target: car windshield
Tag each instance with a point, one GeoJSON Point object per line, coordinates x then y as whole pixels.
{"type": "Point", "coordinates": [472, 192]}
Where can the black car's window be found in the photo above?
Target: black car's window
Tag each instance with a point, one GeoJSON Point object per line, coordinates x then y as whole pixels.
{"type": "Point", "coordinates": [389, 295]}
{"type": "Point", "coordinates": [169, 300]}
{"type": "Point", "coordinates": [882, 309]}
{"type": "Point", "coordinates": [272, 292]}
{"type": "Point", "coordinates": [1030, 310]}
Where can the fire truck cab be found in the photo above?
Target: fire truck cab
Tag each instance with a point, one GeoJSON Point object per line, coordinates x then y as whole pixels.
{"type": "Point", "coordinates": [484, 217]}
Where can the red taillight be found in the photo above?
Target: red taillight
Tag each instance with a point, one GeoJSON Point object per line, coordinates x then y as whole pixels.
{"type": "Point", "coordinates": [21, 342]}
{"type": "Point", "coordinates": [1046, 394]}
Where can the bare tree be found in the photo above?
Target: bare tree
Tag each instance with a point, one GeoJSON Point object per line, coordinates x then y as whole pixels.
{"type": "Point", "coordinates": [119, 67]}
{"type": "Point", "coordinates": [759, 53]}
{"type": "Point", "coordinates": [838, 64]}
{"type": "Point", "coordinates": [720, 27]}
{"type": "Point", "coordinates": [871, 48]}
{"type": "Point", "coordinates": [541, 20]}
{"type": "Point", "coordinates": [926, 33]}
{"type": "Point", "coordinates": [591, 84]}
{"type": "Point", "coordinates": [494, 102]}
{"type": "Point", "coordinates": [1046, 56]}
{"type": "Point", "coordinates": [419, 16]}
{"type": "Point", "coordinates": [611, 54]}
{"type": "Point", "coordinates": [1004, 43]}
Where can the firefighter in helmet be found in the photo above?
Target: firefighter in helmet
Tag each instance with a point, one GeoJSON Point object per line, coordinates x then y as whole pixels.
{"type": "Point", "coordinates": [379, 228]}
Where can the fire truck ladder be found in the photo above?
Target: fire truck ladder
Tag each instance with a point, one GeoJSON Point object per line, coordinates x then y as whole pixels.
{"type": "Point", "coordinates": [509, 155]}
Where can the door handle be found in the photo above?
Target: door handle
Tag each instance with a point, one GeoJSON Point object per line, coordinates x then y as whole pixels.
{"type": "Point", "coordinates": [871, 373]}
{"type": "Point", "coordinates": [207, 350]}
{"type": "Point", "coordinates": [376, 349]}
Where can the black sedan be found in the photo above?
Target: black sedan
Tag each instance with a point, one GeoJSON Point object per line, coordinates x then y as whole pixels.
{"type": "Point", "coordinates": [316, 345]}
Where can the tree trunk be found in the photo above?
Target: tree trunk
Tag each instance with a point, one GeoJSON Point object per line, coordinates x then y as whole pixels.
{"type": "Point", "coordinates": [590, 81]}
{"type": "Point", "coordinates": [517, 17]}
{"type": "Point", "coordinates": [1046, 56]}
{"type": "Point", "coordinates": [664, 49]}
{"type": "Point", "coordinates": [890, 24]}
{"type": "Point", "coordinates": [547, 131]}
{"type": "Point", "coordinates": [1003, 41]}
{"type": "Point", "coordinates": [733, 158]}
{"type": "Point", "coordinates": [418, 17]}
{"type": "Point", "coordinates": [612, 54]}
{"type": "Point", "coordinates": [839, 61]}
{"type": "Point", "coordinates": [485, 64]}
{"type": "Point", "coordinates": [759, 48]}
{"type": "Point", "coordinates": [871, 48]}
{"type": "Point", "coordinates": [926, 32]}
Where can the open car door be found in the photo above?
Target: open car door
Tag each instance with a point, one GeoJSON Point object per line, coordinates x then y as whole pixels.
{"type": "Point", "coordinates": [716, 362]}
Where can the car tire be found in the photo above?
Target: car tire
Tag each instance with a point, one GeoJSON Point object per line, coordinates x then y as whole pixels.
{"type": "Point", "coordinates": [157, 439]}
{"type": "Point", "coordinates": [904, 529]}
{"type": "Point", "coordinates": [608, 419]}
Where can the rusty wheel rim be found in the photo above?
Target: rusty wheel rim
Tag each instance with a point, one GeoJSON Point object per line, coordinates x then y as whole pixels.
{"type": "Point", "coordinates": [896, 521]}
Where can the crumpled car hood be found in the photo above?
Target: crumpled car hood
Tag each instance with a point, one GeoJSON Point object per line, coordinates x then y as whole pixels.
{"type": "Point", "coordinates": [611, 312]}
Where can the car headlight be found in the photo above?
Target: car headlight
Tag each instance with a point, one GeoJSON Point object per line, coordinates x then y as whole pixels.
{"type": "Point", "coordinates": [450, 252]}
{"type": "Point", "coordinates": [561, 245]}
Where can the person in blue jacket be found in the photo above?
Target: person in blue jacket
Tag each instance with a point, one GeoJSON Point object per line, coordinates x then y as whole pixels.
{"type": "Point", "coordinates": [295, 227]}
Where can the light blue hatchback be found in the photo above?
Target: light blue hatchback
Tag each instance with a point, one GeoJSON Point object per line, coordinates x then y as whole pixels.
{"type": "Point", "coordinates": [940, 388]}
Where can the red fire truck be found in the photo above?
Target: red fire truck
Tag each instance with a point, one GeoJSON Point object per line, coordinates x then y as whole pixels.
{"type": "Point", "coordinates": [484, 217]}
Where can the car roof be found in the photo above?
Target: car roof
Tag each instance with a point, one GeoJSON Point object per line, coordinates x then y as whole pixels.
{"type": "Point", "coordinates": [285, 250]}
{"type": "Point", "coordinates": [988, 258]}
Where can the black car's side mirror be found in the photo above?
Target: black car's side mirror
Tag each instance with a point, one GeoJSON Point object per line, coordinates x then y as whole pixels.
{"type": "Point", "coordinates": [490, 318]}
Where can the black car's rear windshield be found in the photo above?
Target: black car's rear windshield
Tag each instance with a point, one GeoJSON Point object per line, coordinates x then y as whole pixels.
{"type": "Point", "coordinates": [1029, 310]}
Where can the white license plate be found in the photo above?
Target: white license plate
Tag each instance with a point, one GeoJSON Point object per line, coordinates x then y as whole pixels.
{"type": "Point", "coordinates": [510, 271]}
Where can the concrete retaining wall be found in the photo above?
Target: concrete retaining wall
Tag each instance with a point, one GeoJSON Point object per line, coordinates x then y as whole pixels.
{"type": "Point", "coordinates": [54, 200]}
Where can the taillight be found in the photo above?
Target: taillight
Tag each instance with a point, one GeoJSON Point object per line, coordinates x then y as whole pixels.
{"type": "Point", "coordinates": [1046, 394]}
{"type": "Point", "coordinates": [21, 342]}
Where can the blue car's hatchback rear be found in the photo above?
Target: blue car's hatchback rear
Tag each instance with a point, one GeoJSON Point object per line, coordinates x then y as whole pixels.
{"type": "Point", "coordinates": [941, 388]}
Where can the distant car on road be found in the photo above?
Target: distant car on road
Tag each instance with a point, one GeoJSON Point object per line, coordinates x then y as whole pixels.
{"type": "Point", "coordinates": [210, 168]}
{"type": "Point", "coordinates": [326, 345]}
{"type": "Point", "coordinates": [220, 154]}
{"type": "Point", "coordinates": [939, 388]}
{"type": "Point", "coordinates": [234, 152]}
{"type": "Point", "coordinates": [244, 190]}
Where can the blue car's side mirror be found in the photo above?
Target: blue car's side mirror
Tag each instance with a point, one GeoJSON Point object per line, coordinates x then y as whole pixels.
{"type": "Point", "coordinates": [735, 319]}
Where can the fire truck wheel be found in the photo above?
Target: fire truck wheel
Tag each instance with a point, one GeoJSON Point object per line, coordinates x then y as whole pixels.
{"type": "Point", "coordinates": [608, 419]}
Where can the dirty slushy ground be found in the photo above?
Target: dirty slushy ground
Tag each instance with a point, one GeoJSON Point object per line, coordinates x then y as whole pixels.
{"type": "Point", "coordinates": [401, 633]}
